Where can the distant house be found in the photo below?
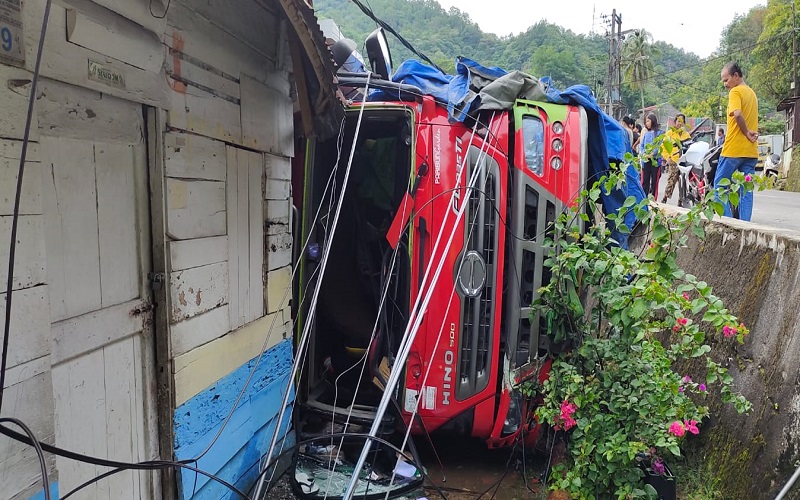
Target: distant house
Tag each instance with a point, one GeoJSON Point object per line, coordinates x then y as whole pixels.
{"type": "Point", "coordinates": [791, 130]}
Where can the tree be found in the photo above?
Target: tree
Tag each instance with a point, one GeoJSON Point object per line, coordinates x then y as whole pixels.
{"type": "Point", "coordinates": [772, 57]}
{"type": "Point", "coordinates": [637, 55]}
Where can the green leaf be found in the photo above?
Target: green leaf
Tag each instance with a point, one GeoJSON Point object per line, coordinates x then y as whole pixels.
{"type": "Point", "coordinates": [723, 182]}
{"type": "Point", "coordinates": [674, 450]}
{"type": "Point", "coordinates": [699, 231]}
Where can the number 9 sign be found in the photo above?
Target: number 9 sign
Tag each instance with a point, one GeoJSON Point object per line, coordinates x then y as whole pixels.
{"type": "Point", "coordinates": [5, 36]}
{"type": "Point", "coordinates": [11, 34]}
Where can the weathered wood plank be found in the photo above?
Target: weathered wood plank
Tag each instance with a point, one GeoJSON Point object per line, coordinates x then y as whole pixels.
{"type": "Point", "coordinates": [278, 168]}
{"type": "Point", "coordinates": [122, 424]}
{"type": "Point", "coordinates": [186, 254]}
{"type": "Point", "coordinates": [198, 330]}
{"type": "Point", "coordinates": [193, 157]}
{"type": "Point", "coordinates": [198, 111]}
{"type": "Point", "coordinates": [278, 216]}
{"type": "Point", "coordinates": [27, 370]}
{"type": "Point", "coordinates": [68, 111]}
{"type": "Point", "coordinates": [232, 190]}
{"type": "Point", "coordinates": [248, 21]}
{"type": "Point", "coordinates": [80, 415]}
{"type": "Point", "coordinates": [14, 95]}
{"type": "Point", "coordinates": [197, 290]}
{"type": "Point", "coordinates": [89, 332]}
{"type": "Point", "coordinates": [30, 400]}
{"type": "Point", "coordinates": [279, 184]}
{"type": "Point", "coordinates": [189, 70]}
{"type": "Point", "coordinates": [101, 30]}
{"type": "Point", "coordinates": [256, 263]}
{"type": "Point", "coordinates": [68, 62]}
{"type": "Point", "coordinates": [279, 284]}
{"type": "Point", "coordinates": [30, 324]}
{"type": "Point", "coordinates": [243, 233]}
{"type": "Point", "coordinates": [195, 209]}
{"type": "Point", "coordinates": [191, 33]}
{"type": "Point", "coordinates": [72, 242]}
{"type": "Point", "coordinates": [116, 218]}
{"type": "Point", "coordinates": [31, 200]}
{"type": "Point", "coordinates": [139, 12]}
{"type": "Point", "coordinates": [279, 251]}
{"type": "Point", "coordinates": [201, 367]}
{"type": "Point", "coordinates": [29, 263]}
{"type": "Point", "coordinates": [266, 118]}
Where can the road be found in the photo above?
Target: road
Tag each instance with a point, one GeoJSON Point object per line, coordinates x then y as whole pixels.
{"type": "Point", "coordinates": [773, 208]}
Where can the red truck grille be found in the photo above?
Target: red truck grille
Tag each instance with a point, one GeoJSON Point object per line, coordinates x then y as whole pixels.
{"type": "Point", "coordinates": [477, 313]}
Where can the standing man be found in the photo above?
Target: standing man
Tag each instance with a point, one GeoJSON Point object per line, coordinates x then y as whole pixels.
{"type": "Point", "coordinates": [739, 152]}
{"type": "Point", "coordinates": [677, 135]}
{"type": "Point", "coordinates": [720, 137]}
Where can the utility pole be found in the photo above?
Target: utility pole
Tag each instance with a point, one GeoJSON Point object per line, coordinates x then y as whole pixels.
{"type": "Point", "coordinates": [794, 51]}
{"type": "Point", "coordinates": [614, 81]}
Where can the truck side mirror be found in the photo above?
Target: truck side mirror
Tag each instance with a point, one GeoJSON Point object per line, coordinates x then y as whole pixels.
{"type": "Point", "coordinates": [380, 60]}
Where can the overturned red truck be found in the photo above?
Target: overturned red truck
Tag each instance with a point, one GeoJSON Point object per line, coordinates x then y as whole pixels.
{"type": "Point", "coordinates": [410, 157]}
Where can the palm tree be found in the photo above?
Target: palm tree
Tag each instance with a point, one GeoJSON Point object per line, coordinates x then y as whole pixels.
{"type": "Point", "coordinates": [637, 52]}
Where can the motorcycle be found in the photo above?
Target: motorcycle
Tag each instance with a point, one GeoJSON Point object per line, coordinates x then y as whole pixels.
{"type": "Point", "coordinates": [697, 166]}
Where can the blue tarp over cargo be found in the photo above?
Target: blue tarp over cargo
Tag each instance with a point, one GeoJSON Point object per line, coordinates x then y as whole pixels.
{"type": "Point", "coordinates": [475, 88]}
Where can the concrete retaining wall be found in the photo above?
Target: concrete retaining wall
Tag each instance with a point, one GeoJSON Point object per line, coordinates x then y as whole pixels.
{"type": "Point", "coordinates": [756, 271]}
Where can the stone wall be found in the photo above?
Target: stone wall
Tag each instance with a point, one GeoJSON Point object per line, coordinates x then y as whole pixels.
{"type": "Point", "coordinates": [756, 272]}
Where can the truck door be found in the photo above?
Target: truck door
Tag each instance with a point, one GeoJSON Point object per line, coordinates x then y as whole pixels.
{"type": "Point", "coordinates": [550, 165]}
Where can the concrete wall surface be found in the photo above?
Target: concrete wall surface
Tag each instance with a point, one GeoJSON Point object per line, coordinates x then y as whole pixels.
{"type": "Point", "coordinates": [755, 270]}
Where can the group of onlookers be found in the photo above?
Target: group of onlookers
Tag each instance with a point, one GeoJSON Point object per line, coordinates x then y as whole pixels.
{"type": "Point", "coordinates": [739, 150]}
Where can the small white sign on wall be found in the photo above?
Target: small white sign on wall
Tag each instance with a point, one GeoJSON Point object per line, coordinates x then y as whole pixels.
{"type": "Point", "coordinates": [12, 48]}
{"type": "Point", "coordinates": [103, 74]}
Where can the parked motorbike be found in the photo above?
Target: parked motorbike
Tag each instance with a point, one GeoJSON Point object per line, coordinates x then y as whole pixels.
{"type": "Point", "coordinates": [772, 165]}
{"type": "Point", "coordinates": [697, 166]}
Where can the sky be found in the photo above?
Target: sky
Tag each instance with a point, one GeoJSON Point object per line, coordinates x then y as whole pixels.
{"type": "Point", "coordinates": [694, 26]}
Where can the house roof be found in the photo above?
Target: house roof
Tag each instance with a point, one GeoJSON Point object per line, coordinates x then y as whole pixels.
{"type": "Point", "coordinates": [787, 103]}
{"type": "Point", "coordinates": [315, 67]}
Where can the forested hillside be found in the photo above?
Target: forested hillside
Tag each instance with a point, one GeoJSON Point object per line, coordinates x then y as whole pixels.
{"type": "Point", "coordinates": [543, 50]}
{"type": "Point", "coordinates": [760, 40]}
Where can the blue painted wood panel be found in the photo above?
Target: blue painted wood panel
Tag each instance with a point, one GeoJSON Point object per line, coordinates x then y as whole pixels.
{"type": "Point", "coordinates": [236, 453]}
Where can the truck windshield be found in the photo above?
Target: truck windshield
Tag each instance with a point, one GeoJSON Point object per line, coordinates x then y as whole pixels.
{"type": "Point", "coordinates": [533, 134]}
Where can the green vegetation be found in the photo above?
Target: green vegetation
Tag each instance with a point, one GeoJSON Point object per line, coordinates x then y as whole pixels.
{"type": "Point", "coordinates": [620, 392]}
{"type": "Point", "coordinates": [759, 40]}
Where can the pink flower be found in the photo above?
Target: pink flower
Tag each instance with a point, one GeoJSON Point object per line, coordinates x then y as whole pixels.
{"type": "Point", "coordinates": [686, 296]}
{"type": "Point", "coordinates": [748, 178]}
{"type": "Point", "coordinates": [677, 429]}
{"type": "Point", "coordinates": [683, 321]}
{"type": "Point", "coordinates": [702, 387]}
{"type": "Point", "coordinates": [691, 426]}
{"type": "Point", "coordinates": [676, 328]}
{"type": "Point", "coordinates": [565, 420]}
{"type": "Point", "coordinates": [687, 379]}
{"type": "Point", "coordinates": [658, 466]}
{"type": "Point", "coordinates": [680, 389]}
{"type": "Point", "coordinates": [728, 331]}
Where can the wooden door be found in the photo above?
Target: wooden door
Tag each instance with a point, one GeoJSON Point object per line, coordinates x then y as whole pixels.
{"type": "Point", "coordinates": [97, 257]}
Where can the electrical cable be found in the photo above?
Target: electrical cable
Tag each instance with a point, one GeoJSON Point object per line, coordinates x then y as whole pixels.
{"type": "Point", "coordinates": [12, 250]}
{"type": "Point", "coordinates": [39, 453]}
{"type": "Point", "coordinates": [300, 354]}
{"type": "Point", "coordinates": [366, 10]}
{"type": "Point", "coordinates": [166, 10]}
{"type": "Point", "coordinates": [147, 465]}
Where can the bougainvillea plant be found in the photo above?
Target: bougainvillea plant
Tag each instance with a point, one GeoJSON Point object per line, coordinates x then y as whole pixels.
{"type": "Point", "coordinates": [632, 320]}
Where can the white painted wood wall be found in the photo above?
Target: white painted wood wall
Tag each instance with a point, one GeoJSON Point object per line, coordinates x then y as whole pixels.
{"type": "Point", "coordinates": [81, 368]}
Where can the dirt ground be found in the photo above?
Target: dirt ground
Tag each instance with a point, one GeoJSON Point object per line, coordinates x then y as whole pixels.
{"type": "Point", "coordinates": [470, 471]}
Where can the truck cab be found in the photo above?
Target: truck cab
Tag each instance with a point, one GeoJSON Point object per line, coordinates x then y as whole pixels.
{"type": "Point", "coordinates": [508, 174]}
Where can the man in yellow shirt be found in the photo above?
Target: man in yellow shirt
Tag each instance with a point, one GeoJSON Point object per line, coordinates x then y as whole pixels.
{"type": "Point", "coordinates": [677, 135]}
{"type": "Point", "coordinates": [740, 151]}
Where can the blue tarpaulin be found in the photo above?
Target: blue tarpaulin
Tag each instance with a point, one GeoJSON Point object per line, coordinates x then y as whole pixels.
{"type": "Point", "coordinates": [475, 87]}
